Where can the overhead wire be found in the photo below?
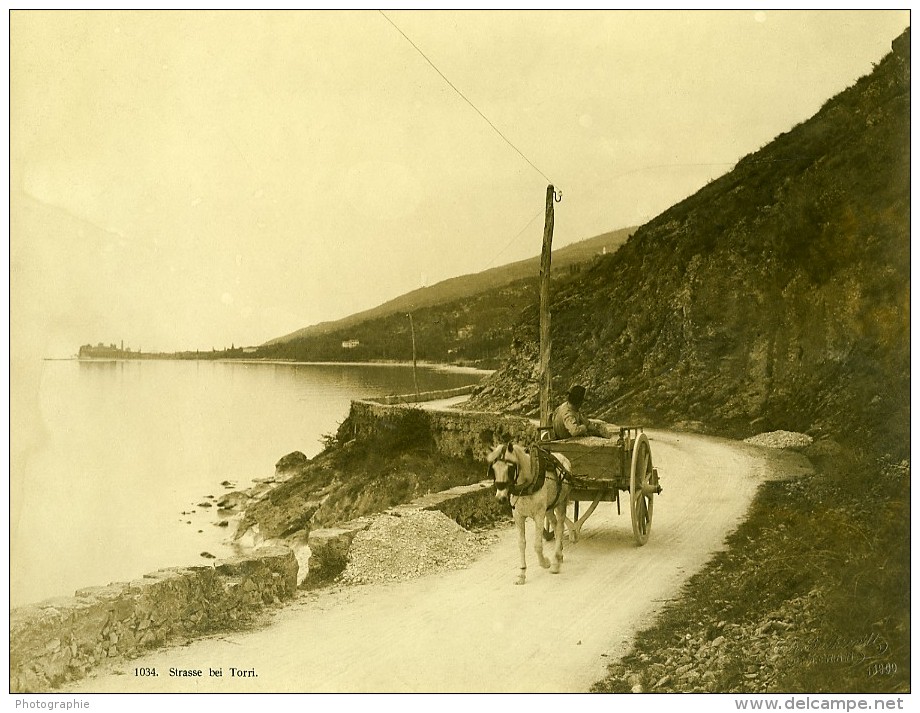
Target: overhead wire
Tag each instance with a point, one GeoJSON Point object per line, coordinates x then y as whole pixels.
{"type": "Point", "coordinates": [464, 97]}
{"type": "Point", "coordinates": [517, 235]}
{"type": "Point", "coordinates": [488, 121]}
{"type": "Point", "coordinates": [513, 146]}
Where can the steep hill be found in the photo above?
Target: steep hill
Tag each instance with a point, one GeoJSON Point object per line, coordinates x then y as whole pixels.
{"type": "Point", "coordinates": [466, 285]}
{"type": "Point", "coordinates": [475, 330]}
{"type": "Point", "coordinates": [775, 297]}
{"type": "Point", "coordinates": [468, 319]}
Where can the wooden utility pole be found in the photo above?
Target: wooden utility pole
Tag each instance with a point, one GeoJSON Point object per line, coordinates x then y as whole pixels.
{"type": "Point", "coordinates": [414, 367]}
{"type": "Point", "coordinates": [545, 338]}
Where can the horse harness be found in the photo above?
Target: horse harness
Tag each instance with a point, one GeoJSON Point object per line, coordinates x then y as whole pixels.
{"type": "Point", "coordinates": [541, 463]}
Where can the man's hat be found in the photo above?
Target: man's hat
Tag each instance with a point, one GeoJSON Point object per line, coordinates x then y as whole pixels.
{"type": "Point", "coordinates": [577, 395]}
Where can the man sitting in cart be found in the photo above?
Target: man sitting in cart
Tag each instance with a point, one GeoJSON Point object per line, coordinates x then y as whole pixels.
{"type": "Point", "coordinates": [568, 421]}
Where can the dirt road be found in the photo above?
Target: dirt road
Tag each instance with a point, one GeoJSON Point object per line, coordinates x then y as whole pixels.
{"type": "Point", "coordinates": [473, 629]}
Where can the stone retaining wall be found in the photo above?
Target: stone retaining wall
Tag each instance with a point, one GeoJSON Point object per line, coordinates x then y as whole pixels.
{"type": "Point", "coordinates": [59, 640]}
{"type": "Point", "coordinates": [460, 434]}
{"type": "Point", "coordinates": [425, 396]}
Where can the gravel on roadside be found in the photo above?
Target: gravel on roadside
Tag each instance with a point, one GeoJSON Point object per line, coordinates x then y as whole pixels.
{"type": "Point", "coordinates": [780, 439]}
{"type": "Point", "coordinates": [406, 546]}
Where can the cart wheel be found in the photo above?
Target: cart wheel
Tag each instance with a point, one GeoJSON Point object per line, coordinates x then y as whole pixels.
{"type": "Point", "coordinates": [641, 493]}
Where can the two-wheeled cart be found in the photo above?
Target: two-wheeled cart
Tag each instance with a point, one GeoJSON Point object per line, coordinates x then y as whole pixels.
{"type": "Point", "coordinates": [602, 468]}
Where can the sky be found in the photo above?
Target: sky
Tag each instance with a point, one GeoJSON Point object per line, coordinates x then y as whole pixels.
{"type": "Point", "coordinates": [189, 180]}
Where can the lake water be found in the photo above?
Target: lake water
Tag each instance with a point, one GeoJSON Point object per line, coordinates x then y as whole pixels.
{"type": "Point", "coordinates": [128, 446]}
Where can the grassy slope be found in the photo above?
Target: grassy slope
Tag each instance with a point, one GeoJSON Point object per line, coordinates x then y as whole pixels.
{"type": "Point", "coordinates": [474, 330]}
{"type": "Point", "coordinates": [467, 286]}
{"type": "Point", "coordinates": [466, 320]}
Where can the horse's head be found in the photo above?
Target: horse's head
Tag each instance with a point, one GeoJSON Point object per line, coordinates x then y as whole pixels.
{"type": "Point", "coordinates": [505, 463]}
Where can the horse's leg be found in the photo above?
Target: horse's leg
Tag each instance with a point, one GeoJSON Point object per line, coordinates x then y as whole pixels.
{"type": "Point", "coordinates": [538, 539]}
{"type": "Point", "coordinates": [560, 536]}
{"type": "Point", "coordinates": [547, 525]}
{"type": "Point", "coordinates": [519, 521]}
{"type": "Point", "coordinates": [560, 518]}
{"type": "Point", "coordinates": [553, 522]}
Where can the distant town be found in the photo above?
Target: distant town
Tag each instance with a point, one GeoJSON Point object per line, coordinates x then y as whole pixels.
{"type": "Point", "coordinates": [107, 351]}
{"type": "Point", "coordinates": [112, 351]}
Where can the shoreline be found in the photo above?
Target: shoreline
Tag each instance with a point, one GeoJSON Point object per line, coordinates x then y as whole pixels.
{"type": "Point", "coordinates": [187, 528]}
{"type": "Point", "coordinates": [437, 366]}
{"type": "Point", "coordinates": [224, 541]}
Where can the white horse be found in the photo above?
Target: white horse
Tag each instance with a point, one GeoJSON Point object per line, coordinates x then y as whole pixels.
{"type": "Point", "coordinates": [537, 491]}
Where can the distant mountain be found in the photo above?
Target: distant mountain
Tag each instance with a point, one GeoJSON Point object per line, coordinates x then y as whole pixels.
{"type": "Point", "coordinates": [468, 285]}
{"type": "Point", "coordinates": [776, 297]}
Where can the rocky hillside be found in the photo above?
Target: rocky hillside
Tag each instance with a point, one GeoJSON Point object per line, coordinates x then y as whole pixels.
{"type": "Point", "coordinates": [775, 297]}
